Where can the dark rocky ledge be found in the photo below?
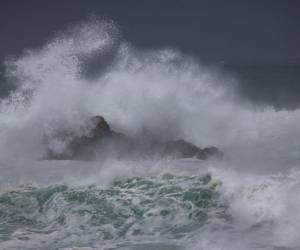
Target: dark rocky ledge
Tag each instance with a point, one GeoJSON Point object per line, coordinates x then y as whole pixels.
{"type": "Point", "coordinates": [103, 142]}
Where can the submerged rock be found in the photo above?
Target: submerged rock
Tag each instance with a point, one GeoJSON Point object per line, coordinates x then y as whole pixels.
{"type": "Point", "coordinates": [101, 141]}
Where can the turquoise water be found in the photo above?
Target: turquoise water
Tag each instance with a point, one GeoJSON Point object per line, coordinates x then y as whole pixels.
{"type": "Point", "coordinates": [166, 208]}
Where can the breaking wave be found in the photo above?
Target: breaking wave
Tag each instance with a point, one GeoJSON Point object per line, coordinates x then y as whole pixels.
{"type": "Point", "coordinates": [247, 200]}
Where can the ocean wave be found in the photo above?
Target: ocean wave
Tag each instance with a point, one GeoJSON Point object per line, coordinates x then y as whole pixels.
{"type": "Point", "coordinates": [246, 200]}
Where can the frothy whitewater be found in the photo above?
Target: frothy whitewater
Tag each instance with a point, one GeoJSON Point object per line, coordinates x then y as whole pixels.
{"type": "Point", "coordinates": [249, 199]}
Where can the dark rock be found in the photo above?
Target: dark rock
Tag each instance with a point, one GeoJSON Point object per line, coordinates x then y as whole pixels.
{"type": "Point", "coordinates": [99, 127]}
{"type": "Point", "coordinates": [183, 149]}
{"type": "Point", "coordinates": [101, 142]}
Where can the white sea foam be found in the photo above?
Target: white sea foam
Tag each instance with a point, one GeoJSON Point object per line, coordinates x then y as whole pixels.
{"type": "Point", "coordinates": [90, 70]}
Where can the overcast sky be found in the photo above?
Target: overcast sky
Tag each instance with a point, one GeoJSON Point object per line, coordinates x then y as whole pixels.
{"type": "Point", "coordinates": [230, 31]}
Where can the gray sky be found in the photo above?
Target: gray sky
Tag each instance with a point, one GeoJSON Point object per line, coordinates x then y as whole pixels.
{"type": "Point", "coordinates": [231, 30]}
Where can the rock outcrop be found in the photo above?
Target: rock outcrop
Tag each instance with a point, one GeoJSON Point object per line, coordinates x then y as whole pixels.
{"type": "Point", "coordinates": [183, 149]}
{"type": "Point", "coordinates": [102, 141]}
{"type": "Point", "coordinates": [99, 127]}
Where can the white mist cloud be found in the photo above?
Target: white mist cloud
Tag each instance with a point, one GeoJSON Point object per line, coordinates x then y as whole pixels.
{"type": "Point", "coordinates": [163, 92]}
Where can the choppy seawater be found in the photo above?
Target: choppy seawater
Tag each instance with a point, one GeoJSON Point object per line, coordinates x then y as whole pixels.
{"type": "Point", "coordinates": [164, 211]}
{"type": "Point", "coordinates": [217, 210]}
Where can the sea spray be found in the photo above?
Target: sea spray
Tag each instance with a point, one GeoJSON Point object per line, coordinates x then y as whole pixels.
{"type": "Point", "coordinates": [106, 204]}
